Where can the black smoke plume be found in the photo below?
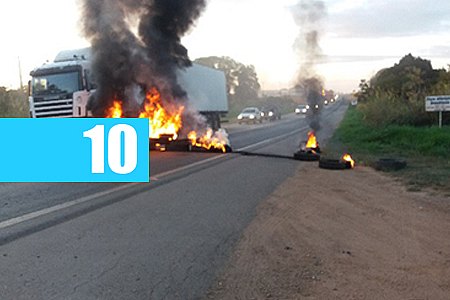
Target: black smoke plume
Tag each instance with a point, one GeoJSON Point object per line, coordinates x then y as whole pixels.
{"type": "Point", "coordinates": [309, 15]}
{"type": "Point", "coordinates": [136, 44]}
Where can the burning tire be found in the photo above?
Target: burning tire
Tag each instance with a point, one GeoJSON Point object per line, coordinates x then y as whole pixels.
{"type": "Point", "coordinates": [390, 164]}
{"type": "Point", "coordinates": [334, 164]}
{"type": "Point", "coordinates": [306, 156]}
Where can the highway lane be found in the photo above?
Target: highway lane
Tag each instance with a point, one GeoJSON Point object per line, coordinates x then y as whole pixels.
{"type": "Point", "coordinates": [164, 242]}
{"type": "Point", "coordinates": [21, 198]}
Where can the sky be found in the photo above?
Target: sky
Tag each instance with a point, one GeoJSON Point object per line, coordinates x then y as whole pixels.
{"type": "Point", "coordinates": [358, 37]}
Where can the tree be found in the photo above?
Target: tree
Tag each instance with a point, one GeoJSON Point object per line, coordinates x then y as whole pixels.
{"type": "Point", "coordinates": [242, 80]}
{"type": "Point", "coordinates": [364, 91]}
{"type": "Point", "coordinates": [396, 95]}
{"type": "Point", "coordinates": [13, 103]}
{"type": "Point", "coordinates": [394, 78]}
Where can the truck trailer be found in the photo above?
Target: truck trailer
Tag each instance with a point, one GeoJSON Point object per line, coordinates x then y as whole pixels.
{"type": "Point", "coordinates": [62, 88]}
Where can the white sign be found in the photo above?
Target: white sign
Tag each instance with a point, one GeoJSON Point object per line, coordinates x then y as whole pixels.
{"type": "Point", "coordinates": [437, 103]}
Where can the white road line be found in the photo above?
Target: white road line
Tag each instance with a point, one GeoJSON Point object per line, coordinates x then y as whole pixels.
{"type": "Point", "coordinates": [269, 141]}
{"type": "Point", "coordinates": [170, 172]}
{"type": "Point", "coordinates": [45, 211]}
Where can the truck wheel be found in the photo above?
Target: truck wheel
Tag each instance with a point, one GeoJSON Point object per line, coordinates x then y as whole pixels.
{"type": "Point", "coordinates": [218, 125]}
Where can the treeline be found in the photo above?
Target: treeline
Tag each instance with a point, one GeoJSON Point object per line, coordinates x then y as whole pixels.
{"type": "Point", "coordinates": [13, 103]}
{"type": "Point", "coordinates": [396, 95]}
{"type": "Point", "coordinates": [243, 85]}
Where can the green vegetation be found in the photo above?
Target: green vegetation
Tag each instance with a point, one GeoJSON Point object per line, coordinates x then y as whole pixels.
{"type": "Point", "coordinates": [13, 103]}
{"type": "Point", "coordinates": [390, 121]}
{"type": "Point", "coordinates": [426, 149]}
{"type": "Point", "coordinates": [393, 139]}
{"type": "Point", "coordinates": [396, 95]}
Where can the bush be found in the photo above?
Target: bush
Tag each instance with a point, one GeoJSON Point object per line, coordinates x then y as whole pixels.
{"type": "Point", "coordinates": [396, 95]}
{"type": "Point", "coordinates": [13, 103]}
{"type": "Point", "coordinates": [385, 108]}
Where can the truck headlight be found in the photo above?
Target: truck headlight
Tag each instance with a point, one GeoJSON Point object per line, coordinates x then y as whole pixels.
{"type": "Point", "coordinates": [239, 117]}
{"type": "Point", "coordinates": [252, 117]}
{"type": "Point", "coordinates": [262, 114]}
{"type": "Point", "coordinates": [297, 110]}
{"type": "Point", "coordinates": [270, 114]}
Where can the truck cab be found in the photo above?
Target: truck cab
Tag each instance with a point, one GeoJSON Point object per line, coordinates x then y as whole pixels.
{"type": "Point", "coordinates": [61, 89]}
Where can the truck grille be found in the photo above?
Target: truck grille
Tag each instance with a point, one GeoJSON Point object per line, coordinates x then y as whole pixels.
{"type": "Point", "coordinates": [54, 109]}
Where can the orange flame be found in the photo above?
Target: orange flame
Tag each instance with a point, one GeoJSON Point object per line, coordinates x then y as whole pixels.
{"type": "Point", "coordinates": [312, 141]}
{"type": "Point", "coordinates": [162, 121]}
{"type": "Point", "coordinates": [209, 140]}
{"type": "Point", "coordinates": [347, 157]}
{"type": "Point", "coordinates": [167, 120]}
{"type": "Point", "coordinates": [116, 110]}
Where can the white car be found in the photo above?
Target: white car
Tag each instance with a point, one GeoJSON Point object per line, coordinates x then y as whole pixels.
{"type": "Point", "coordinates": [301, 109]}
{"type": "Point", "coordinates": [249, 114]}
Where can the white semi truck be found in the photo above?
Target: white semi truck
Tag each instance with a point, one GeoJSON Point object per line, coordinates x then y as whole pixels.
{"type": "Point", "coordinates": [61, 89]}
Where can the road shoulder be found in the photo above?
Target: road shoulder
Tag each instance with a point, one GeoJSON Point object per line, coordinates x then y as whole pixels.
{"type": "Point", "coordinates": [353, 234]}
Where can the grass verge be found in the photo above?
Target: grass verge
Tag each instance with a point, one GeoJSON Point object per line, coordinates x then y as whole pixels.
{"type": "Point", "coordinates": [426, 149]}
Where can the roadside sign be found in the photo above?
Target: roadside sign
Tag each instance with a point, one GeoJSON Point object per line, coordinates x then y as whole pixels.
{"type": "Point", "coordinates": [437, 103]}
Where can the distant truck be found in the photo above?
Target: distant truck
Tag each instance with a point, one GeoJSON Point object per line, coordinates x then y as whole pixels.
{"type": "Point", "coordinates": [61, 89]}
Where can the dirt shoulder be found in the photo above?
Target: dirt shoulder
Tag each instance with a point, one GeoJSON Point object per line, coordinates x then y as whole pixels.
{"type": "Point", "coordinates": [353, 234]}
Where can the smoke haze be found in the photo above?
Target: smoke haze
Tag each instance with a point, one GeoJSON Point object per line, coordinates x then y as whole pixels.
{"type": "Point", "coordinates": [136, 44]}
{"type": "Point", "coordinates": [309, 15]}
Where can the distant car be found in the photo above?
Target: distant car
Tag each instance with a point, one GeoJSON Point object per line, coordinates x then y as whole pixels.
{"type": "Point", "coordinates": [301, 109]}
{"type": "Point", "coordinates": [249, 115]}
{"type": "Point", "coordinates": [354, 102]}
{"type": "Point", "coordinates": [270, 113]}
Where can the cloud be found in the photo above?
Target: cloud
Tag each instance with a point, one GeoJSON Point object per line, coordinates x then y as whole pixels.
{"type": "Point", "coordinates": [383, 18]}
{"type": "Point", "coordinates": [354, 58]}
{"type": "Point", "coordinates": [438, 51]}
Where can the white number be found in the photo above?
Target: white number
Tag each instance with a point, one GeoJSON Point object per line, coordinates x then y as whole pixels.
{"type": "Point", "coordinates": [97, 136]}
{"type": "Point", "coordinates": [115, 149]}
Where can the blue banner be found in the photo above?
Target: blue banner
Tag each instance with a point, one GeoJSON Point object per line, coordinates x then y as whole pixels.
{"type": "Point", "coordinates": [74, 150]}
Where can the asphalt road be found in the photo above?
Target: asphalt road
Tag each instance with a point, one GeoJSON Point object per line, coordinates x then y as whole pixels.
{"type": "Point", "coordinates": [162, 240]}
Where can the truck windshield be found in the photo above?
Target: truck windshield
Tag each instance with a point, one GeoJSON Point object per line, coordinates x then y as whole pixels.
{"type": "Point", "coordinates": [58, 83]}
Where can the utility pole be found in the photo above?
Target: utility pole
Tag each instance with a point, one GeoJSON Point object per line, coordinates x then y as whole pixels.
{"type": "Point", "coordinates": [20, 73]}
